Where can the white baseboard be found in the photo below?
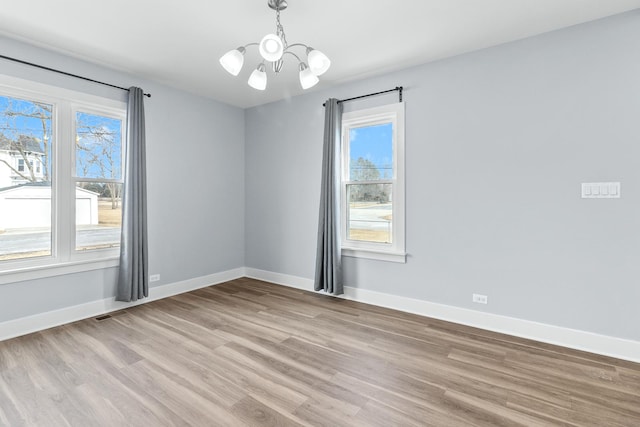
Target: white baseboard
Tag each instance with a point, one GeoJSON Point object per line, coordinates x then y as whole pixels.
{"type": "Point", "coordinates": [580, 340]}
{"type": "Point", "coordinates": [38, 322]}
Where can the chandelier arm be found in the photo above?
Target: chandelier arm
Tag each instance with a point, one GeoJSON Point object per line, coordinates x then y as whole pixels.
{"type": "Point", "coordinates": [298, 44]}
{"type": "Point", "coordinates": [291, 53]}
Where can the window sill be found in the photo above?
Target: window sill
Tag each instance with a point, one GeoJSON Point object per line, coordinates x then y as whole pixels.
{"type": "Point", "coordinates": [399, 257]}
{"type": "Point", "coordinates": [50, 270]}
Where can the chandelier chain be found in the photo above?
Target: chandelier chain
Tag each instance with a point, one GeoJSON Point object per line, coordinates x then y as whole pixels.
{"type": "Point", "coordinates": [280, 29]}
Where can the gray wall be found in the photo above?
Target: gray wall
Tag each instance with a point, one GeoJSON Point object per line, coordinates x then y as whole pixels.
{"type": "Point", "coordinates": [195, 149]}
{"type": "Point", "coordinates": [497, 144]}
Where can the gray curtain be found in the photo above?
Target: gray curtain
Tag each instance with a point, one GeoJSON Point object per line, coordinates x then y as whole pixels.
{"type": "Point", "coordinates": [328, 259]}
{"type": "Point", "coordinates": [133, 277]}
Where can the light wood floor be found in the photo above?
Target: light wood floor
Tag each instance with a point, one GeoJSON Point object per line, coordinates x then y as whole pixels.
{"type": "Point", "coordinates": [252, 353]}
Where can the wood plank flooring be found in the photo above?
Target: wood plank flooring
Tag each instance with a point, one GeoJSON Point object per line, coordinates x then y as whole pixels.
{"type": "Point", "coordinates": [252, 353]}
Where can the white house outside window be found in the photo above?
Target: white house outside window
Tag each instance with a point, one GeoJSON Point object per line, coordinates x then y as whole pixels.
{"type": "Point", "coordinates": [61, 159]}
{"type": "Point", "coordinates": [372, 191]}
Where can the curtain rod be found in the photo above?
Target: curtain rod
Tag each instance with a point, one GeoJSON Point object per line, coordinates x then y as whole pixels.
{"type": "Point", "coordinates": [66, 74]}
{"type": "Point", "coordinates": [397, 88]}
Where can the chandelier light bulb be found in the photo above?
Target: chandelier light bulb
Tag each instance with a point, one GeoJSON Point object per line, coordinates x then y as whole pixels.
{"type": "Point", "coordinates": [271, 47]}
{"type": "Point", "coordinates": [319, 63]}
{"type": "Point", "coordinates": [307, 78]}
{"type": "Point", "coordinates": [233, 60]}
{"type": "Point", "coordinates": [258, 79]}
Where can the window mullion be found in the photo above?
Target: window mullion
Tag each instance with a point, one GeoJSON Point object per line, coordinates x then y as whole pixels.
{"type": "Point", "coordinates": [100, 180]}
{"type": "Point", "coordinates": [377, 181]}
{"type": "Point", "coordinates": [64, 186]}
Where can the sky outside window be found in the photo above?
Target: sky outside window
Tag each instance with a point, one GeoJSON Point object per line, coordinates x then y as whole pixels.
{"type": "Point", "coordinates": [374, 145]}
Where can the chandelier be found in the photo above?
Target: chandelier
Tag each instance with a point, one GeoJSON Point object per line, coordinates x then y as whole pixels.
{"type": "Point", "coordinates": [272, 48]}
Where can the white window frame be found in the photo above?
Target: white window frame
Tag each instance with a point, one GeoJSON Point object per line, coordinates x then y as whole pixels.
{"type": "Point", "coordinates": [394, 251]}
{"type": "Point", "coordinates": [112, 113]}
{"type": "Point", "coordinates": [64, 258]}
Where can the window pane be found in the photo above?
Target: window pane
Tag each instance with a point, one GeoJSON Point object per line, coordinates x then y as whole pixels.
{"type": "Point", "coordinates": [370, 210]}
{"type": "Point", "coordinates": [98, 215]}
{"type": "Point", "coordinates": [371, 153]}
{"type": "Point", "coordinates": [25, 178]}
{"type": "Point", "coordinates": [98, 146]}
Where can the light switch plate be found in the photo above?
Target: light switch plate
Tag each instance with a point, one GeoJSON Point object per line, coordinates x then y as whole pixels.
{"type": "Point", "coordinates": [600, 190]}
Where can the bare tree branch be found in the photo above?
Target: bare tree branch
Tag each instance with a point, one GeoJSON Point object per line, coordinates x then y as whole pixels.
{"type": "Point", "coordinates": [15, 170]}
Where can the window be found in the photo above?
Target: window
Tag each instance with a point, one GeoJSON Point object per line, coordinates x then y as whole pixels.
{"type": "Point", "coordinates": [60, 202]}
{"type": "Point", "coordinates": [98, 178]}
{"type": "Point", "coordinates": [372, 190]}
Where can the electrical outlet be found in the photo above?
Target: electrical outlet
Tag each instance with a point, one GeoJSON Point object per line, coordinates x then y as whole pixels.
{"type": "Point", "coordinates": [480, 299]}
{"type": "Point", "coordinates": [154, 277]}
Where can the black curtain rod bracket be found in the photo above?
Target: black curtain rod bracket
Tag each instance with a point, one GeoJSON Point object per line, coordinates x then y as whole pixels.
{"type": "Point", "coordinates": [66, 74]}
{"type": "Point", "coordinates": [397, 88]}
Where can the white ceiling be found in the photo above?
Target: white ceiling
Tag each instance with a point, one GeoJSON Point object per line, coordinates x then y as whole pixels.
{"type": "Point", "coordinates": [178, 43]}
